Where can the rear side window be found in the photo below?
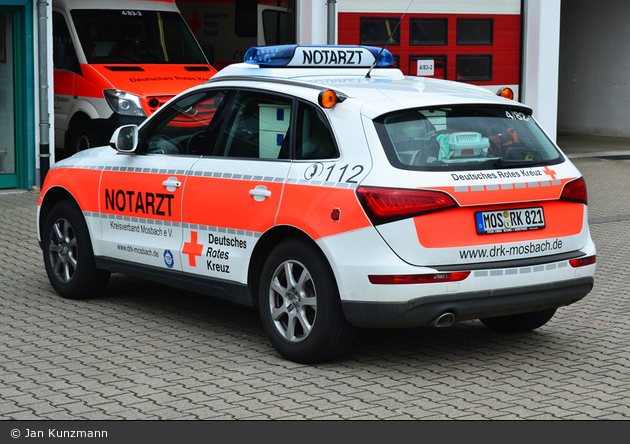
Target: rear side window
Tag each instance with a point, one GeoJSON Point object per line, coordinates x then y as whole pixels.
{"type": "Point", "coordinates": [464, 137]}
{"type": "Point", "coordinates": [313, 138]}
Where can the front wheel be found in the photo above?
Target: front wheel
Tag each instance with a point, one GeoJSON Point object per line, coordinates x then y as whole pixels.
{"type": "Point", "coordinates": [519, 323]}
{"type": "Point", "coordinates": [68, 254]}
{"type": "Point", "coordinates": [299, 304]}
{"type": "Point", "coordinates": [81, 136]}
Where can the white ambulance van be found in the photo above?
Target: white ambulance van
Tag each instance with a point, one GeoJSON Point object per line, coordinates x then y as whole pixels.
{"type": "Point", "coordinates": [115, 63]}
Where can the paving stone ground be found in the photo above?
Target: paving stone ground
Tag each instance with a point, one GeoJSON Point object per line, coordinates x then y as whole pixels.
{"type": "Point", "coordinates": [146, 351]}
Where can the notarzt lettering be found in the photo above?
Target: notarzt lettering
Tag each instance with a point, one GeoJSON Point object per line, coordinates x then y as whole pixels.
{"type": "Point", "coordinates": [139, 202]}
{"type": "Point", "coordinates": [337, 57]}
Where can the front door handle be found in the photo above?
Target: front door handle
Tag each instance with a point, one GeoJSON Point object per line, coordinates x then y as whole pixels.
{"type": "Point", "coordinates": [260, 193]}
{"type": "Point", "coordinates": [172, 184]}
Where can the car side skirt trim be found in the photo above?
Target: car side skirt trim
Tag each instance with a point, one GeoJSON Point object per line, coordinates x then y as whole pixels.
{"type": "Point", "coordinates": [466, 306]}
{"type": "Point", "coordinates": [218, 288]}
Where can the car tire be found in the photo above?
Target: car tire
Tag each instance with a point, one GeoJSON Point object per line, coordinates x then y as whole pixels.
{"type": "Point", "coordinates": [81, 136]}
{"type": "Point", "coordinates": [300, 306]}
{"type": "Point", "coordinates": [68, 254]}
{"type": "Point", "coordinates": [519, 323]}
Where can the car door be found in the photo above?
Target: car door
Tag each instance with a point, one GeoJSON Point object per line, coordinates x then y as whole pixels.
{"type": "Point", "coordinates": [141, 192]}
{"type": "Point", "coordinates": [232, 196]}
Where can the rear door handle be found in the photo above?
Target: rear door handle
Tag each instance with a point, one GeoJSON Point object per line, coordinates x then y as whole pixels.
{"type": "Point", "coordinates": [260, 193]}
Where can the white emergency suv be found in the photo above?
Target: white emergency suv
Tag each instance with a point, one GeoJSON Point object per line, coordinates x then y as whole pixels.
{"type": "Point", "coordinates": [331, 194]}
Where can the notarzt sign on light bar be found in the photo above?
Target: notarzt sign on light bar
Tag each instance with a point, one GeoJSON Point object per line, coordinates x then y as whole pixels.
{"type": "Point", "coordinates": [318, 56]}
{"type": "Point", "coordinates": [353, 57]}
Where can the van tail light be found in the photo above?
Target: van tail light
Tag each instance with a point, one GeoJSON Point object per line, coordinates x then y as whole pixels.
{"type": "Point", "coordinates": [583, 261]}
{"type": "Point", "coordinates": [384, 205]}
{"type": "Point", "coordinates": [397, 279]}
{"type": "Point", "coordinates": [575, 191]}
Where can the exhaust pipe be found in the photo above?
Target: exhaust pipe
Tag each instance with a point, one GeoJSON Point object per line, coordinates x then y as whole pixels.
{"type": "Point", "coordinates": [446, 319]}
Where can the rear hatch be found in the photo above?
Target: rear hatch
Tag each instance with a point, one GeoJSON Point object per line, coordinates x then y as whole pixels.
{"type": "Point", "coordinates": [472, 184]}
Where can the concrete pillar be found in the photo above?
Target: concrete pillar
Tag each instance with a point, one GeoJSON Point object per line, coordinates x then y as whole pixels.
{"type": "Point", "coordinates": [541, 54]}
{"type": "Point", "coordinates": [312, 19]}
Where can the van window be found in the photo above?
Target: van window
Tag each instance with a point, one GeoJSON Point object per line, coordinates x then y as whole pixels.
{"type": "Point", "coordinates": [464, 137]}
{"type": "Point", "coordinates": [64, 55]}
{"type": "Point", "coordinates": [135, 37]}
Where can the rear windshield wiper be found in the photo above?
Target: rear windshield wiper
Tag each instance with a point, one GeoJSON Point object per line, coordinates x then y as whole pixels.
{"type": "Point", "coordinates": [502, 163]}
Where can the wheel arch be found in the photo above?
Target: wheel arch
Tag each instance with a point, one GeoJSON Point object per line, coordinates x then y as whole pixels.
{"type": "Point", "coordinates": [263, 247]}
{"type": "Point", "coordinates": [83, 108]}
{"type": "Point", "coordinates": [76, 118]}
{"type": "Point", "coordinates": [52, 197]}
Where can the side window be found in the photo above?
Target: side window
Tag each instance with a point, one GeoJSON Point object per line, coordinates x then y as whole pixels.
{"type": "Point", "coordinates": [428, 31]}
{"type": "Point", "coordinates": [313, 139]}
{"type": "Point", "coordinates": [185, 126]}
{"type": "Point", "coordinates": [377, 31]}
{"type": "Point", "coordinates": [256, 127]}
{"type": "Point", "coordinates": [473, 67]}
{"type": "Point", "coordinates": [476, 31]}
{"type": "Point", "coordinates": [64, 54]}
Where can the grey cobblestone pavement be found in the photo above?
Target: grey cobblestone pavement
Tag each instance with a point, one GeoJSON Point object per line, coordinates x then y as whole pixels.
{"type": "Point", "coordinates": [145, 351]}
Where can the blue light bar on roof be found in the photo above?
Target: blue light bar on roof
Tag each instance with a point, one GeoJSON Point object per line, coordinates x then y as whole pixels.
{"type": "Point", "coordinates": [314, 56]}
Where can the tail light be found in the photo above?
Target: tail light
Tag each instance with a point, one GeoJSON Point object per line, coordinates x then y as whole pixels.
{"type": "Point", "coordinates": [384, 205]}
{"type": "Point", "coordinates": [398, 279]}
{"type": "Point", "coordinates": [575, 191]}
{"type": "Point", "coordinates": [583, 261]}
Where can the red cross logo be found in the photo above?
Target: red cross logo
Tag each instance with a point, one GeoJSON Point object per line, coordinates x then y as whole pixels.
{"type": "Point", "coordinates": [552, 173]}
{"type": "Point", "coordinates": [194, 23]}
{"type": "Point", "coordinates": [192, 249]}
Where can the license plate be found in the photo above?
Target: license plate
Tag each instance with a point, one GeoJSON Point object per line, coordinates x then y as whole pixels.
{"type": "Point", "coordinates": [504, 221]}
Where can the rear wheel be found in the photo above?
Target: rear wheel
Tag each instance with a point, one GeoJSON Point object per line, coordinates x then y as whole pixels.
{"type": "Point", "coordinates": [299, 304]}
{"type": "Point", "coordinates": [68, 254]}
{"type": "Point", "coordinates": [519, 323]}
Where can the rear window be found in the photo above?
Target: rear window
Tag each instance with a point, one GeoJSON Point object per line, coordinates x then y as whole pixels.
{"type": "Point", "coordinates": [464, 137]}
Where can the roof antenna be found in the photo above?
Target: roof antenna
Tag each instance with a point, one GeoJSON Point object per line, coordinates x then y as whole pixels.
{"type": "Point", "coordinates": [367, 76]}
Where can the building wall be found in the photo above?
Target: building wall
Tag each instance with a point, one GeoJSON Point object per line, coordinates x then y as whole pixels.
{"type": "Point", "coordinates": [594, 75]}
{"type": "Point", "coordinates": [26, 131]}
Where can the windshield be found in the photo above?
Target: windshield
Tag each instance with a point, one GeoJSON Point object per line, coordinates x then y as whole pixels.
{"type": "Point", "coordinates": [134, 37]}
{"type": "Point", "coordinates": [464, 137]}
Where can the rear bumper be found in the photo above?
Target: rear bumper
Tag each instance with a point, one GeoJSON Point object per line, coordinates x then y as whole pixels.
{"type": "Point", "coordinates": [423, 311]}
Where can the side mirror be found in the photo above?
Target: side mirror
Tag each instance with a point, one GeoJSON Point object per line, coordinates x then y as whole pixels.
{"type": "Point", "coordinates": [125, 139]}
